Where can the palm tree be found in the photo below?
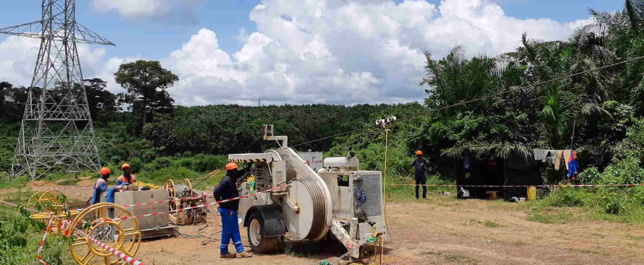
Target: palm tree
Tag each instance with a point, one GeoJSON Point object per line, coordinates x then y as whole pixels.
{"type": "Point", "coordinates": [555, 113]}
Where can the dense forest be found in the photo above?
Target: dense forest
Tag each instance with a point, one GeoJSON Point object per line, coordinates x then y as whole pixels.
{"type": "Point", "coordinates": [585, 93]}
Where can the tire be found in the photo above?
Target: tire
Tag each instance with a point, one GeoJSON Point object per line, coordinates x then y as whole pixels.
{"type": "Point", "coordinates": [257, 242]}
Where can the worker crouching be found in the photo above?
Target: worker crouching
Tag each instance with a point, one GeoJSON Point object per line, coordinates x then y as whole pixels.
{"type": "Point", "coordinates": [227, 189]}
{"type": "Point", "coordinates": [100, 186]}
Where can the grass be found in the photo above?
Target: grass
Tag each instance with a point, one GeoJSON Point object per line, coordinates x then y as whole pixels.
{"type": "Point", "coordinates": [460, 259]}
{"type": "Point", "coordinates": [455, 258]}
{"type": "Point", "coordinates": [550, 218]}
{"type": "Point", "coordinates": [290, 252]}
{"type": "Point", "coordinates": [406, 193]}
{"type": "Point", "coordinates": [13, 184]}
{"type": "Point", "coordinates": [492, 224]}
{"type": "Point", "coordinates": [19, 226]}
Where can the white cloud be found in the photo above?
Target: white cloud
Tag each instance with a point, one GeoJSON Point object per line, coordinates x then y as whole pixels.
{"type": "Point", "coordinates": [18, 58]}
{"type": "Point", "coordinates": [324, 51]}
{"type": "Point", "coordinates": [344, 51]}
{"type": "Point", "coordinates": [175, 10]}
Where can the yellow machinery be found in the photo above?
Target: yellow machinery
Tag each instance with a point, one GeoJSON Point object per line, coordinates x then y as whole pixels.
{"type": "Point", "coordinates": [184, 196]}
{"type": "Point", "coordinates": [51, 203]}
{"type": "Point", "coordinates": [95, 221]}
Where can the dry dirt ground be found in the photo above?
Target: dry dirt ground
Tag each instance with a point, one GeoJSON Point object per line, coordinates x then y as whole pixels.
{"type": "Point", "coordinates": [440, 230]}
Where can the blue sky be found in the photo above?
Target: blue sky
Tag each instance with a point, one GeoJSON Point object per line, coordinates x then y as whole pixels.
{"type": "Point", "coordinates": [270, 59]}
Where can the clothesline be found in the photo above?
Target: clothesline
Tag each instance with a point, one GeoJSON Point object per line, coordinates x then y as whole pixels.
{"type": "Point", "coordinates": [569, 156]}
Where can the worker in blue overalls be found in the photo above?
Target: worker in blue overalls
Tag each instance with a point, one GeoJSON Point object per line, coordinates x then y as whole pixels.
{"type": "Point", "coordinates": [227, 189]}
{"type": "Point", "coordinates": [100, 186]}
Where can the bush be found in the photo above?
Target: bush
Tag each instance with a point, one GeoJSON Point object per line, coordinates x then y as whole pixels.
{"type": "Point", "coordinates": [627, 170]}
{"type": "Point", "coordinates": [136, 164]}
{"type": "Point", "coordinates": [187, 162]}
{"type": "Point", "coordinates": [162, 175]}
{"type": "Point", "coordinates": [613, 204]}
{"type": "Point", "coordinates": [567, 198]}
{"type": "Point", "coordinates": [207, 163]}
{"type": "Point", "coordinates": [20, 236]}
{"type": "Point", "coordinates": [161, 162]}
{"type": "Point", "coordinates": [590, 176]}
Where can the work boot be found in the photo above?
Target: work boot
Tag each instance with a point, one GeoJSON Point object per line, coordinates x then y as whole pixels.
{"type": "Point", "coordinates": [245, 254]}
{"type": "Point", "coordinates": [227, 256]}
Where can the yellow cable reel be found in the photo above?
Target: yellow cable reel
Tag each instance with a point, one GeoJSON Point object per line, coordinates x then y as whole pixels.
{"type": "Point", "coordinates": [96, 221]}
{"type": "Point", "coordinates": [49, 199]}
{"type": "Point", "coordinates": [188, 183]}
{"type": "Point", "coordinates": [52, 205]}
{"type": "Point", "coordinates": [172, 193]}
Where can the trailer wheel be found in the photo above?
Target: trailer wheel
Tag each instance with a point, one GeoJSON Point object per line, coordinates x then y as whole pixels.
{"type": "Point", "coordinates": [258, 243]}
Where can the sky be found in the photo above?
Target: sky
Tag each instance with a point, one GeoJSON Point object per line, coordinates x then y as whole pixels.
{"type": "Point", "coordinates": [294, 51]}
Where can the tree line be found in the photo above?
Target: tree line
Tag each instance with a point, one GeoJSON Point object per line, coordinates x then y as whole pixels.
{"type": "Point", "coordinates": [498, 105]}
{"type": "Point", "coordinates": [544, 94]}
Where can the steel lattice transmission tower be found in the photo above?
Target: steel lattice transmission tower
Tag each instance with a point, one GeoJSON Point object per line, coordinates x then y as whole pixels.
{"type": "Point", "coordinates": [57, 131]}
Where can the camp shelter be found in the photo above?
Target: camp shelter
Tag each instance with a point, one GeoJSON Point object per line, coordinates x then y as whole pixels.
{"type": "Point", "coordinates": [499, 165]}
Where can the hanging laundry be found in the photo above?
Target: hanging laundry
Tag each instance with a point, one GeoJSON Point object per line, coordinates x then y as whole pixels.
{"type": "Point", "coordinates": [558, 157]}
{"type": "Point", "coordinates": [567, 156]}
{"type": "Point", "coordinates": [544, 155]}
{"type": "Point", "coordinates": [573, 166]}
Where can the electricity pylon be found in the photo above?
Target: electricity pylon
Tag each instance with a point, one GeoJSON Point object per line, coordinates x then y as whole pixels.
{"type": "Point", "coordinates": [56, 132]}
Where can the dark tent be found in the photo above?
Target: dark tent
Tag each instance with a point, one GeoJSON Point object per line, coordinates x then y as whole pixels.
{"type": "Point", "coordinates": [489, 167]}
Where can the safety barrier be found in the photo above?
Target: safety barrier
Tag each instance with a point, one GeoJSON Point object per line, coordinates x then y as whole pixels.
{"type": "Point", "coordinates": [121, 255]}
{"type": "Point", "coordinates": [112, 250]}
{"type": "Point", "coordinates": [151, 203]}
{"type": "Point", "coordinates": [115, 252]}
{"type": "Point", "coordinates": [198, 206]}
{"type": "Point", "coordinates": [525, 186]}
{"type": "Point", "coordinates": [42, 242]}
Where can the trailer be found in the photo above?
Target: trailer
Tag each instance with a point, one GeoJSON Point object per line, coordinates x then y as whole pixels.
{"type": "Point", "coordinates": [339, 200]}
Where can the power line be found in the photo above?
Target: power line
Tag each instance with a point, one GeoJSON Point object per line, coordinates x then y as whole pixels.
{"type": "Point", "coordinates": [489, 96]}
{"type": "Point", "coordinates": [327, 137]}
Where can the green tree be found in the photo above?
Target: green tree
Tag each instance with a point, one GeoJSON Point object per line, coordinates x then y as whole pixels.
{"type": "Point", "coordinates": [3, 86]}
{"type": "Point", "coordinates": [102, 103]}
{"type": "Point", "coordinates": [147, 83]}
{"type": "Point", "coordinates": [555, 114]}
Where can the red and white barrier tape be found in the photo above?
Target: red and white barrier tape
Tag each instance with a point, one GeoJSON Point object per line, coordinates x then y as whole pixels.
{"type": "Point", "coordinates": [197, 206]}
{"type": "Point", "coordinates": [115, 252]}
{"type": "Point", "coordinates": [42, 242]}
{"type": "Point", "coordinates": [151, 203]}
{"type": "Point", "coordinates": [525, 186]}
{"type": "Point", "coordinates": [15, 205]}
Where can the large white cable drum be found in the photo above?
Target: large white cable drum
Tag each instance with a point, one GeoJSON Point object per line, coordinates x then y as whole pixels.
{"type": "Point", "coordinates": [308, 211]}
{"type": "Point", "coordinates": [307, 222]}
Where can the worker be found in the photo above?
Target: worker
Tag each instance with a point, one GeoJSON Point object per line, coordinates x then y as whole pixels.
{"type": "Point", "coordinates": [421, 169]}
{"type": "Point", "coordinates": [126, 178]}
{"type": "Point", "coordinates": [227, 189]}
{"type": "Point", "coordinates": [100, 185]}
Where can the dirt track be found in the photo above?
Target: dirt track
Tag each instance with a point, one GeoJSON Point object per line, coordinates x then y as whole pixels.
{"type": "Point", "coordinates": [440, 230]}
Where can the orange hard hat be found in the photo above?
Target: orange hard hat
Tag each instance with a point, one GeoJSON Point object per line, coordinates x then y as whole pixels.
{"type": "Point", "coordinates": [231, 166]}
{"type": "Point", "coordinates": [105, 171]}
{"type": "Point", "coordinates": [125, 165]}
{"type": "Point", "coordinates": [419, 153]}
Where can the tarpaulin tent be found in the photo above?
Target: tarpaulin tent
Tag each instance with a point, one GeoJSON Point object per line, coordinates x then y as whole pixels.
{"type": "Point", "coordinates": [487, 165]}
